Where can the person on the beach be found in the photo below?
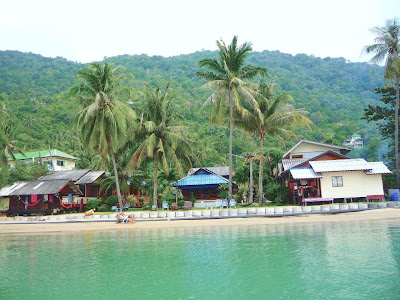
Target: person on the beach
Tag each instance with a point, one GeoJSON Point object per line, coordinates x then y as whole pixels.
{"type": "Point", "coordinates": [131, 218]}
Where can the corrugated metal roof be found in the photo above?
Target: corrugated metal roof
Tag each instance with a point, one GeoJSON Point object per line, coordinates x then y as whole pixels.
{"type": "Point", "coordinates": [343, 150]}
{"type": "Point", "coordinates": [7, 190]}
{"type": "Point", "coordinates": [338, 165]}
{"type": "Point", "coordinates": [290, 163]}
{"type": "Point", "coordinates": [201, 179]}
{"type": "Point", "coordinates": [37, 187]}
{"type": "Point", "coordinates": [73, 175]}
{"type": "Point", "coordinates": [42, 153]}
{"type": "Point", "coordinates": [378, 167]}
{"type": "Point", "coordinates": [304, 173]}
{"type": "Point", "coordinates": [89, 177]}
{"type": "Point", "coordinates": [221, 171]}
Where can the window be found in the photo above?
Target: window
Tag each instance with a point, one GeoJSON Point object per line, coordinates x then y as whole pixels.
{"type": "Point", "coordinates": [60, 163]}
{"type": "Point", "coordinates": [337, 181]}
{"type": "Point", "coordinates": [297, 156]}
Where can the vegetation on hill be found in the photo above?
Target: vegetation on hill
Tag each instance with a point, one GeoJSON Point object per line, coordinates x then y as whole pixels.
{"type": "Point", "coordinates": [333, 92]}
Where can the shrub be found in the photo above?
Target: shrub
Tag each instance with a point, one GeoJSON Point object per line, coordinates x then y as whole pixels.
{"type": "Point", "coordinates": [181, 203]}
{"type": "Point", "coordinates": [224, 190]}
{"type": "Point", "coordinates": [170, 197]}
{"type": "Point", "coordinates": [111, 201]}
{"type": "Point", "coordinates": [93, 203]}
{"type": "Point", "coordinates": [192, 198]}
{"type": "Point", "coordinates": [103, 208]}
{"type": "Point", "coordinates": [180, 196]}
{"type": "Point", "coordinates": [131, 199]}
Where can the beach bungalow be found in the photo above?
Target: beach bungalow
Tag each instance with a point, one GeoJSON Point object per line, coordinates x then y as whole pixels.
{"type": "Point", "coordinates": [87, 181]}
{"type": "Point", "coordinates": [203, 183]}
{"type": "Point", "coordinates": [55, 159]}
{"type": "Point", "coordinates": [319, 172]}
{"type": "Point", "coordinates": [37, 197]}
{"type": "Point", "coordinates": [220, 171]}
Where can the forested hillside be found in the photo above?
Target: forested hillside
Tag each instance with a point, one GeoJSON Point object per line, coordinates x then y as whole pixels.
{"type": "Point", "coordinates": [334, 92]}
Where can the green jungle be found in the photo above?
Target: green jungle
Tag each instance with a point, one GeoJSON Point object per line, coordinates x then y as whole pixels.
{"type": "Point", "coordinates": [42, 99]}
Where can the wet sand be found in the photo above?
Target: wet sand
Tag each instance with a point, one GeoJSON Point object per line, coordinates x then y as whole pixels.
{"type": "Point", "coordinates": [376, 214]}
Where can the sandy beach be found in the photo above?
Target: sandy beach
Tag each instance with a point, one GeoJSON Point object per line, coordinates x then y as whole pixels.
{"type": "Point", "coordinates": [377, 214]}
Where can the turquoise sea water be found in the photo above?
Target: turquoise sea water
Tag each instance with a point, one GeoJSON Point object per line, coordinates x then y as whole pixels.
{"type": "Point", "coordinates": [354, 260]}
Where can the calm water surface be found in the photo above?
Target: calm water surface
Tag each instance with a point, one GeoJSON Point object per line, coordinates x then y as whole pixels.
{"type": "Point", "coordinates": [354, 260]}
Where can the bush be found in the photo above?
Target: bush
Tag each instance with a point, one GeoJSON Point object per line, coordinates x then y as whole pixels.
{"type": "Point", "coordinates": [111, 201]}
{"type": "Point", "coordinates": [147, 205]}
{"type": "Point", "coordinates": [103, 208]}
{"type": "Point", "coordinates": [224, 190]}
{"type": "Point", "coordinates": [192, 198]}
{"type": "Point", "coordinates": [93, 203]}
{"type": "Point", "coordinates": [181, 203]}
{"type": "Point", "coordinates": [131, 199]}
{"type": "Point", "coordinates": [180, 196]}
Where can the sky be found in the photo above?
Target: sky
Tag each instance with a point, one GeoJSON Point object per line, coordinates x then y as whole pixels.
{"type": "Point", "coordinates": [87, 30]}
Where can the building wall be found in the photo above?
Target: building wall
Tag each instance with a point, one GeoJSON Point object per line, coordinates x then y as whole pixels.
{"type": "Point", "coordinates": [69, 164]}
{"type": "Point", "coordinates": [355, 184]}
{"type": "Point", "coordinates": [310, 150]}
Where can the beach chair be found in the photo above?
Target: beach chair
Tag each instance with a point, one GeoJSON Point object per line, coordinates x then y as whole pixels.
{"type": "Point", "coordinates": [224, 203]}
{"type": "Point", "coordinates": [165, 205]}
{"type": "Point", "coordinates": [116, 209]}
{"type": "Point", "coordinates": [232, 203]}
{"type": "Point", "coordinates": [188, 204]}
{"type": "Point", "coordinates": [218, 203]}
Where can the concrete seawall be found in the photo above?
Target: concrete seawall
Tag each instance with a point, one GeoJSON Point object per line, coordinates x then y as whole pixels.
{"type": "Point", "coordinates": [279, 211]}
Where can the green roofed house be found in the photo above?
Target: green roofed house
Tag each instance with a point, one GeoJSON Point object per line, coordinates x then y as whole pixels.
{"type": "Point", "coordinates": [57, 160]}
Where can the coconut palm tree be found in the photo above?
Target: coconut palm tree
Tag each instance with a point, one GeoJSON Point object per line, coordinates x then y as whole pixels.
{"type": "Point", "coordinates": [162, 140]}
{"type": "Point", "coordinates": [274, 117]}
{"type": "Point", "coordinates": [386, 48]}
{"type": "Point", "coordinates": [227, 76]}
{"type": "Point", "coordinates": [103, 120]}
{"type": "Point", "coordinates": [97, 78]}
{"type": "Point", "coordinates": [7, 143]}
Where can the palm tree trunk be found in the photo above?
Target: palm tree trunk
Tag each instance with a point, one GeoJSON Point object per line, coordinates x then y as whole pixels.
{"type": "Point", "coordinates": [230, 145]}
{"type": "Point", "coordinates": [155, 182]}
{"type": "Point", "coordinates": [121, 205]}
{"type": "Point", "coordinates": [396, 131]}
{"type": "Point", "coordinates": [260, 174]}
{"type": "Point", "coordinates": [251, 180]}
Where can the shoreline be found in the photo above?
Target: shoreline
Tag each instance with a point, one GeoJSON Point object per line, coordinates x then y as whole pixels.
{"type": "Point", "coordinates": [63, 227]}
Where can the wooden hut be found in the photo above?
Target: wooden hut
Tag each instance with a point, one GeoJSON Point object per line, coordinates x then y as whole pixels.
{"type": "Point", "coordinates": [37, 197]}
{"type": "Point", "coordinates": [203, 183]}
{"type": "Point", "coordinates": [87, 181]}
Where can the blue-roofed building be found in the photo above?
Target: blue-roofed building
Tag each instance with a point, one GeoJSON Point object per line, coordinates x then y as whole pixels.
{"type": "Point", "coordinates": [203, 183]}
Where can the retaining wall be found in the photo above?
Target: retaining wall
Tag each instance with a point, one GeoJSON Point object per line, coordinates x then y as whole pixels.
{"type": "Point", "coordinates": [213, 213]}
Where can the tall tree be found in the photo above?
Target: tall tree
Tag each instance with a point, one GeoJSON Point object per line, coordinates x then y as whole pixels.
{"type": "Point", "coordinates": [386, 48]}
{"type": "Point", "coordinates": [7, 143]}
{"type": "Point", "coordinates": [227, 76]}
{"type": "Point", "coordinates": [274, 118]}
{"type": "Point", "coordinates": [103, 120]}
{"type": "Point", "coordinates": [163, 140]}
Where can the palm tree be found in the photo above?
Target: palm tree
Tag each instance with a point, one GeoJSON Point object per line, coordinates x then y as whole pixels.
{"type": "Point", "coordinates": [103, 120]}
{"type": "Point", "coordinates": [386, 48]}
{"type": "Point", "coordinates": [227, 76]}
{"type": "Point", "coordinates": [97, 78]}
{"type": "Point", "coordinates": [162, 139]}
{"type": "Point", "coordinates": [274, 117]}
{"type": "Point", "coordinates": [7, 144]}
